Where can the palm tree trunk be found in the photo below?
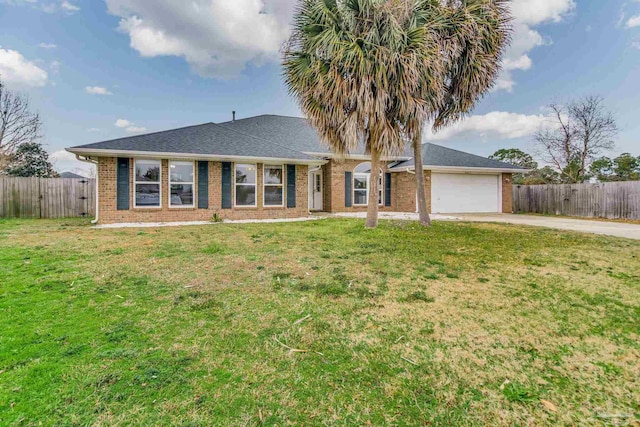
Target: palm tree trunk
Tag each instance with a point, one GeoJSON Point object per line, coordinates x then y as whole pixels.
{"type": "Point", "coordinates": [374, 183]}
{"type": "Point", "coordinates": [420, 187]}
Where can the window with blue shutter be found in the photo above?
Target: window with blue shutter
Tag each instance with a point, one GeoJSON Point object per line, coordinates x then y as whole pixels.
{"type": "Point", "coordinates": [122, 184]}
{"type": "Point", "coordinates": [291, 186]}
{"type": "Point", "coordinates": [348, 192]}
{"type": "Point", "coordinates": [226, 186]}
{"type": "Point", "coordinates": [387, 189]}
{"type": "Point", "coordinates": [203, 185]}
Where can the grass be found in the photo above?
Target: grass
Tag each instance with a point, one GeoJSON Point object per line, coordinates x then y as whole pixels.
{"type": "Point", "coordinates": [317, 323]}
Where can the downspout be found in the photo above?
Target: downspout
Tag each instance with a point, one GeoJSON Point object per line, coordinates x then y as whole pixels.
{"type": "Point", "coordinates": [93, 162]}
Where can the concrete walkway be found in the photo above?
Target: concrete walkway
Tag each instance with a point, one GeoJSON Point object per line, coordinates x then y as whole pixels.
{"type": "Point", "coordinates": [616, 229]}
{"type": "Point", "coordinates": [188, 223]}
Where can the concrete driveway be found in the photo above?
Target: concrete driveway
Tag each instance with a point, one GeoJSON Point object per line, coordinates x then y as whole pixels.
{"type": "Point", "coordinates": [617, 229]}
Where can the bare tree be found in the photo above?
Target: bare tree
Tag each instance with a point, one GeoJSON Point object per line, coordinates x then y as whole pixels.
{"type": "Point", "coordinates": [578, 133]}
{"type": "Point", "coordinates": [18, 124]}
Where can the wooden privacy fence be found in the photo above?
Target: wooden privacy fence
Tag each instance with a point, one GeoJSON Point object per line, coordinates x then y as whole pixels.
{"type": "Point", "coordinates": [605, 200]}
{"type": "Point", "coordinates": [47, 197]}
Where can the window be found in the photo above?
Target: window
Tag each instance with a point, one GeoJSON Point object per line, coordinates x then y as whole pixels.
{"type": "Point", "coordinates": [273, 185]}
{"type": "Point", "coordinates": [245, 185]}
{"type": "Point", "coordinates": [361, 182]}
{"type": "Point", "coordinates": [146, 181]}
{"type": "Point", "coordinates": [181, 184]}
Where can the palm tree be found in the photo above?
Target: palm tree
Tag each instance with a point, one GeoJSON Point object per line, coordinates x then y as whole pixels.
{"type": "Point", "coordinates": [474, 35]}
{"type": "Point", "coordinates": [373, 72]}
{"type": "Point", "coordinates": [353, 65]}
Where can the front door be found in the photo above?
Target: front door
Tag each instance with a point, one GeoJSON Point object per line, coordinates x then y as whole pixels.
{"type": "Point", "coordinates": [315, 193]}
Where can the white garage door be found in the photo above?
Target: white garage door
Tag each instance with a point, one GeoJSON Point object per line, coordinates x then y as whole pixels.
{"type": "Point", "coordinates": [460, 193]}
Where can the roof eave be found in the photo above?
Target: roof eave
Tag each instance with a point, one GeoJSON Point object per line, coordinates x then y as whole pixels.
{"type": "Point", "coordinates": [355, 156]}
{"type": "Point", "coordinates": [97, 152]}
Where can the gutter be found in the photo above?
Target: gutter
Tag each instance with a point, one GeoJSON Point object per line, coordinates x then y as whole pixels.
{"type": "Point", "coordinates": [93, 162]}
{"type": "Point", "coordinates": [461, 169]}
{"type": "Point", "coordinates": [96, 152]}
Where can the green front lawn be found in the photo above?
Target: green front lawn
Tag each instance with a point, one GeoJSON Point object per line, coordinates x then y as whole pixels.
{"type": "Point", "coordinates": [317, 323]}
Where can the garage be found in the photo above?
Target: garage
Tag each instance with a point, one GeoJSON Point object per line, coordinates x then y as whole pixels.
{"type": "Point", "coordinates": [465, 193]}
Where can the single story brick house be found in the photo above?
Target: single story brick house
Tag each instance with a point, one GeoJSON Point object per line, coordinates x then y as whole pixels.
{"type": "Point", "coordinates": [275, 167]}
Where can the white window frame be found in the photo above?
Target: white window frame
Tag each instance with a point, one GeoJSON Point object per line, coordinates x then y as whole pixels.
{"type": "Point", "coordinates": [368, 178]}
{"type": "Point", "coordinates": [235, 185]}
{"type": "Point", "coordinates": [265, 185]}
{"type": "Point", "coordinates": [136, 182]}
{"type": "Point", "coordinates": [193, 184]}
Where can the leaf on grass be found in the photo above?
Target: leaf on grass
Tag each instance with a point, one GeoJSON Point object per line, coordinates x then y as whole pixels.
{"type": "Point", "coordinates": [550, 406]}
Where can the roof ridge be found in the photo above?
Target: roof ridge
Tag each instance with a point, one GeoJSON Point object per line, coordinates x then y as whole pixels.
{"type": "Point", "coordinates": [262, 115]}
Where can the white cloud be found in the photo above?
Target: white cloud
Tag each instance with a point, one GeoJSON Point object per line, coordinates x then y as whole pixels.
{"type": "Point", "coordinates": [47, 6]}
{"type": "Point", "coordinates": [97, 90]}
{"type": "Point", "coordinates": [535, 12]}
{"type": "Point", "coordinates": [218, 38]}
{"type": "Point", "coordinates": [528, 14]}
{"type": "Point", "coordinates": [16, 70]}
{"type": "Point", "coordinates": [136, 129]}
{"type": "Point", "coordinates": [54, 66]}
{"type": "Point", "coordinates": [69, 7]}
{"type": "Point", "coordinates": [62, 155]}
{"type": "Point", "coordinates": [633, 22]}
{"type": "Point", "coordinates": [47, 46]}
{"type": "Point", "coordinates": [122, 123]}
{"type": "Point", "coordinates": [129, 126]}
{"type": "Point", "coordinates": [494, 125]}
{"type": "Point", "coordinates": [19, 2]}
{"type": "Point", "coordinates": [63, 161]}
{"type": "Point", "coordinates": [636, 44]}
{"type": "Point", "coordinates": [93, 130]}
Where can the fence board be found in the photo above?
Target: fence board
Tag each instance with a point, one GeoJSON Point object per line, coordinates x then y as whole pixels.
{"type": "Point", "coordinates": [46, 197]}
{"type": "Point", "coordinates": [615, 200]}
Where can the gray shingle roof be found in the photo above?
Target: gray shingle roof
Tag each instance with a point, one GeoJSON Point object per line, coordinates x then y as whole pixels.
{"type": "Point", "coordinates": [269, 136]}
{"type": "Point", "coordinates": [205, 139]}
{"type": "Point", "coordinates": [437, 155]}
{"type": "Point", "coordinates": [293, 132]}
{"type": "Point", "coordinates": [71, 175]}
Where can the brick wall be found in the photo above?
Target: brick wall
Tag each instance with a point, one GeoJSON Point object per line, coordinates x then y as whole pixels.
{"type": "Point", "coordinates": [507, 193]}
{"type": "Point", "coordinates": [403, 193]}
{"type": "Point", "coordinates": [403, 197]}
{"type": "Point", "coordinates": [108, 213]}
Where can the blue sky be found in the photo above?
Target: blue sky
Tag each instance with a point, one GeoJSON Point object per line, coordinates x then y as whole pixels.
{"type": "Point", "coordinates": [98, 70]}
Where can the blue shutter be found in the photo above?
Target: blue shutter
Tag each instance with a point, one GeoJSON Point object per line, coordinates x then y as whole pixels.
{"type": "Point", "coordinates": [348, 192]}
{"type": "Point", "coordinates": [122, 184]}
{"type": "Point", "coordinates": [387, 189]}
{"type": "Point", "coordinates": [226, 186]}
{"type": "Point", "coordinates": [203, 185]}
{"type": "Point", "coordinates": [291, 186]}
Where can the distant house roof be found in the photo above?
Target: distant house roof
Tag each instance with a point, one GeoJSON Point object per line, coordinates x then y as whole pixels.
{"type": "Point", "coordinates": [442, 157]}
{"type": "Point", "coordinates": [71, 175]}
{"type": "Point", "coordinates": [265, 137]}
